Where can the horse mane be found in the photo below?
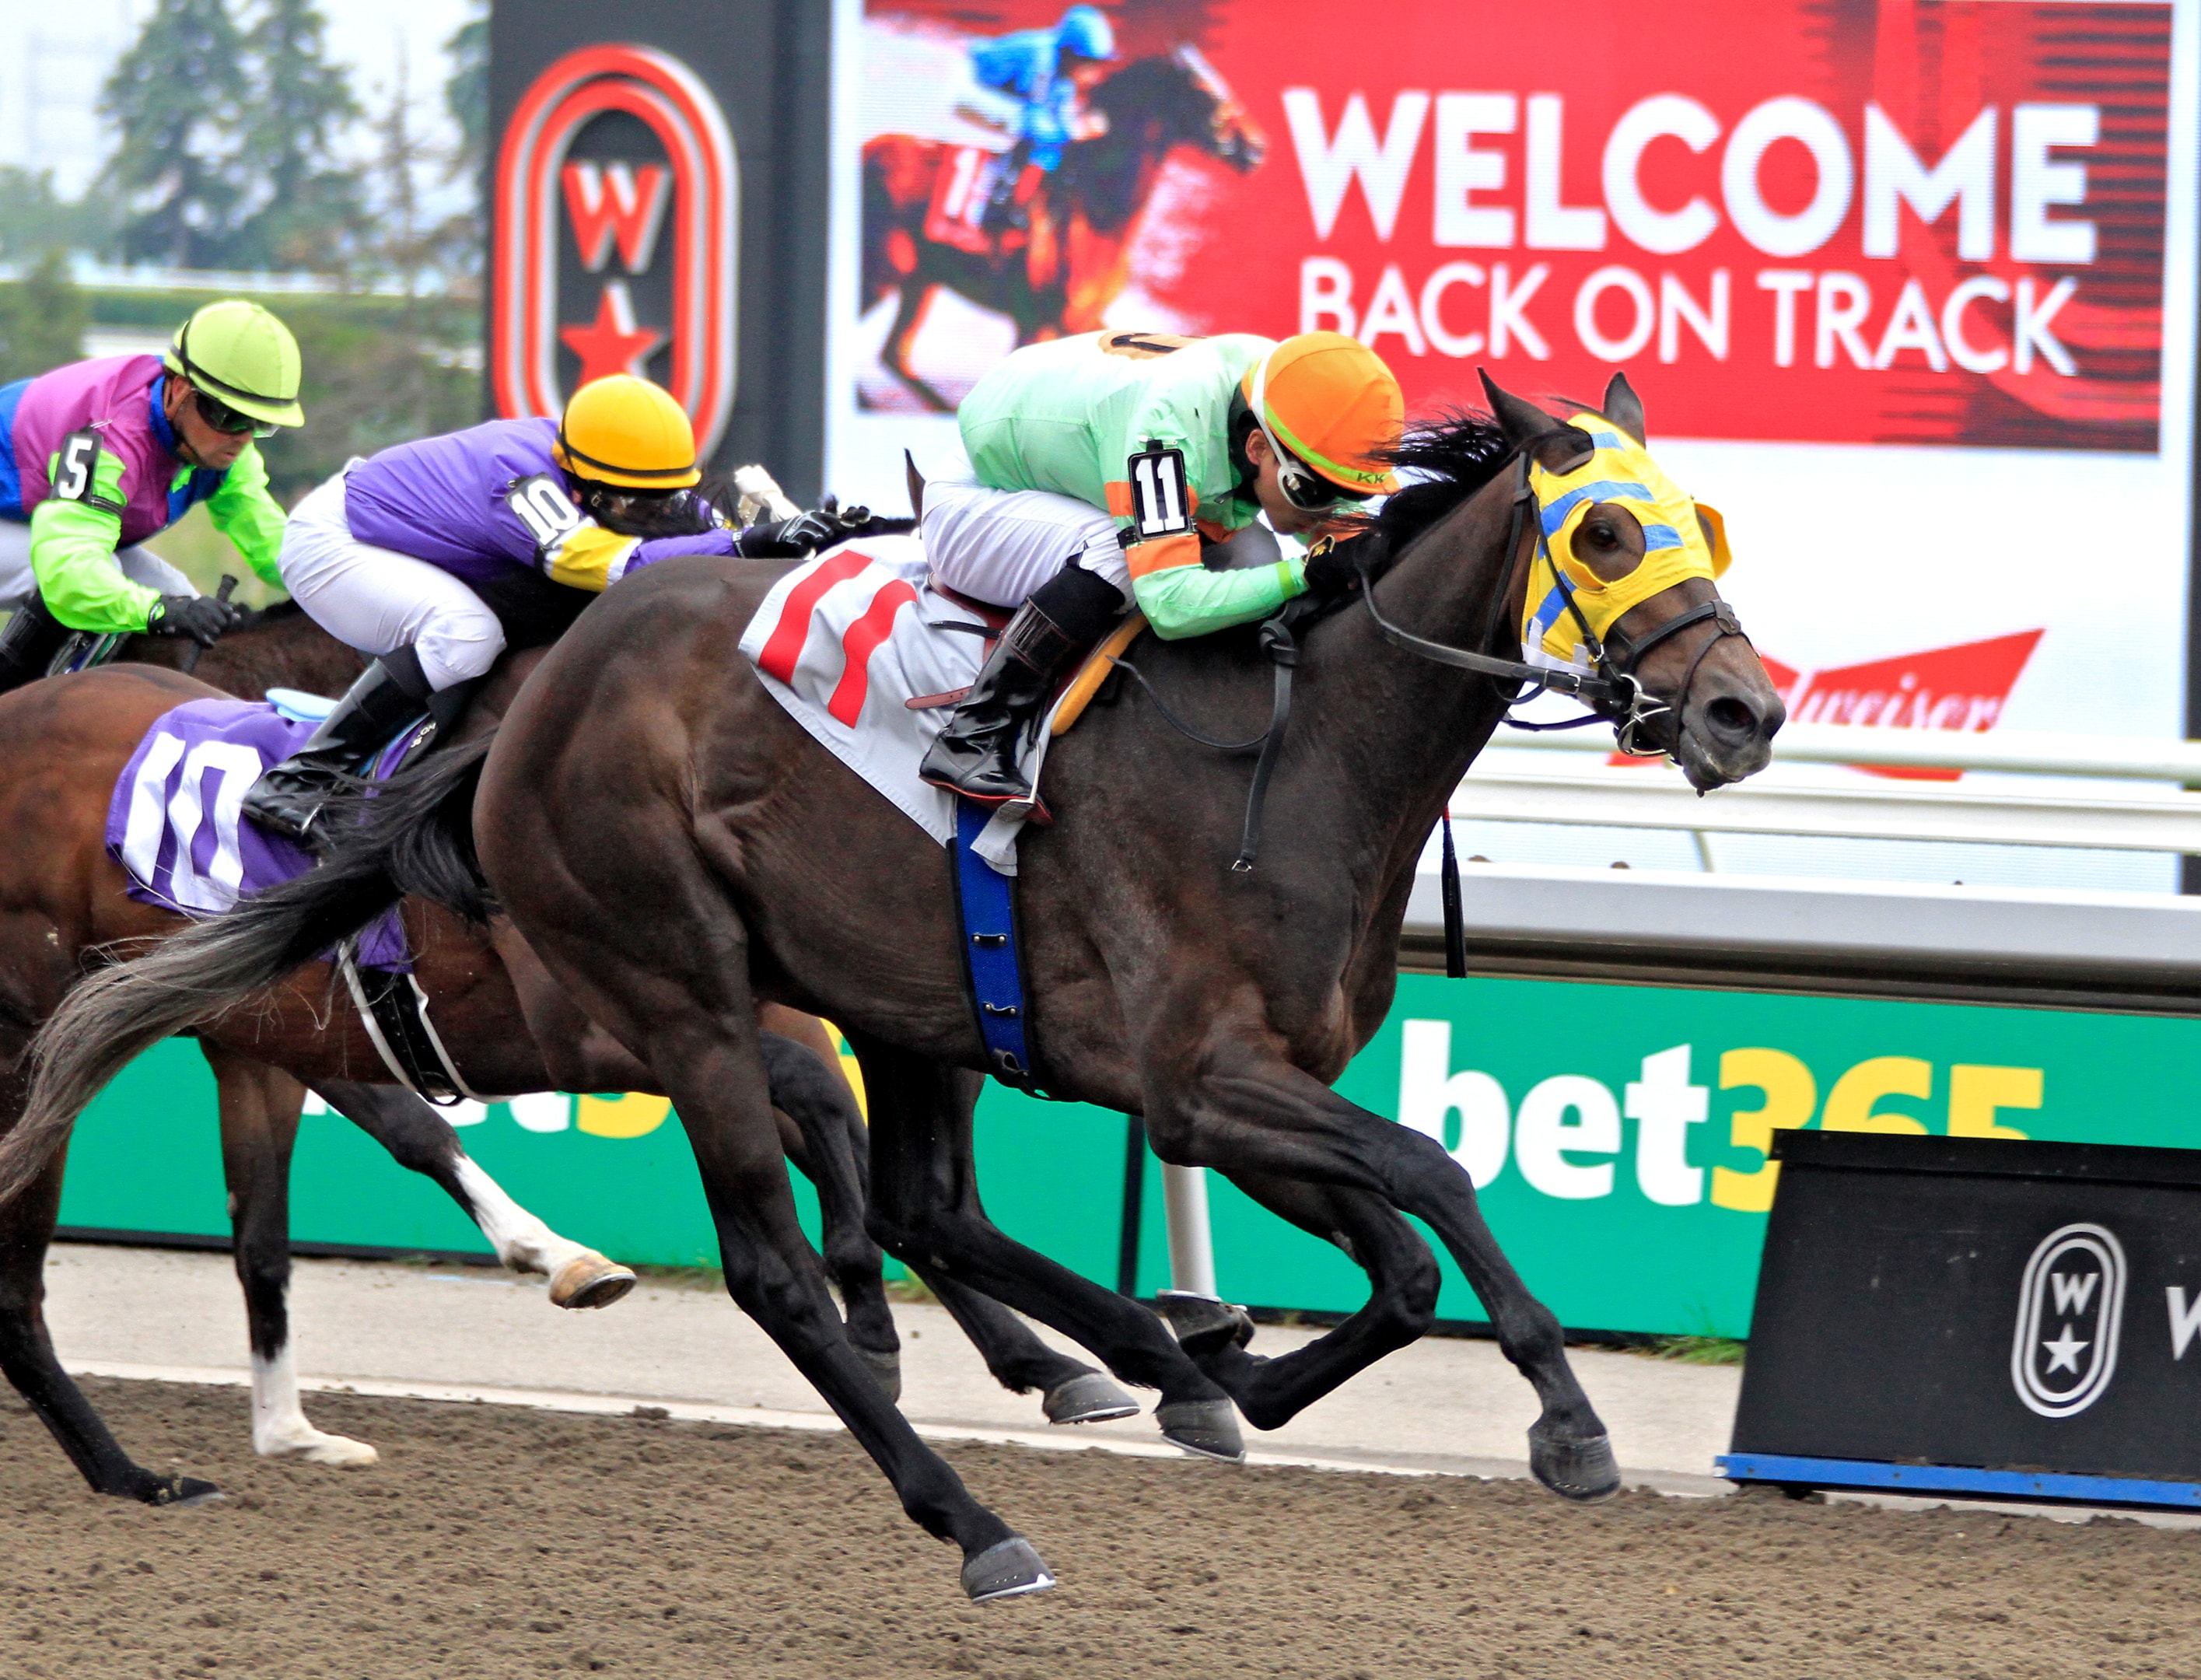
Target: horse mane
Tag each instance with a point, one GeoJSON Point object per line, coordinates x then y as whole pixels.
{"type": "Point", "coordinates": [1449, 457]}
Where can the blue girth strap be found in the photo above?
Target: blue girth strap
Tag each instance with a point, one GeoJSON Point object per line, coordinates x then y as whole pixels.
{"type": "Point", "coordinates": [986, 902]}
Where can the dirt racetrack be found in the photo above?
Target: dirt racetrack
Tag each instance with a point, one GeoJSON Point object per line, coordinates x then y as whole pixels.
{"type": "Point", "coordinates": [492, 1541]}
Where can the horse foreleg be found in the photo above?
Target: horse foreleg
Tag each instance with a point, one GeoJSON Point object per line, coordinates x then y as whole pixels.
{"type": "Point", "coordinates": [27, 1350]}
{"type": "Point", "coordinates": [259, 1107]}
{"type": "Point", "coordinates": [1233, 1105]}
{"type": "Point", "coordinates": [830, 1148]}
{"type": "Point", "coordinates": [925, 1209]}
{"type": "Point", "coordinates": [1403, 1283]}
{"type": "Point", "coordinates": [420, 1138]}
{"type": "Point", "coordinates": [910, 311]}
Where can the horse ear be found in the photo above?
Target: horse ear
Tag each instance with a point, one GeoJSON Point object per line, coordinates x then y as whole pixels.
{"type": "Point", "coordinates": [1624, 408]}
{"type": "Point", "coordinates": [1529, 428]}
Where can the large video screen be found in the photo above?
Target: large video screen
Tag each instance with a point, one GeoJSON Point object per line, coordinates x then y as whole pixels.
{"type": "Point", "coordinates": [1907, 288]}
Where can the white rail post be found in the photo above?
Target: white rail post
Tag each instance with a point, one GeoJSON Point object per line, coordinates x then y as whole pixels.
{"type": "Point", "coordinates": [1191, 1246]}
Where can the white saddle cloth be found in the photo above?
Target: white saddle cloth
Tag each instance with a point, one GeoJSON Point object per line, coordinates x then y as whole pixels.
{"type": "Point", "coordinates": [844, 640]}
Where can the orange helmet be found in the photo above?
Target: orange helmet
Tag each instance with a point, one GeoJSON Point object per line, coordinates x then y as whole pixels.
{"type": "Point", "coordinates": [1329, 402]}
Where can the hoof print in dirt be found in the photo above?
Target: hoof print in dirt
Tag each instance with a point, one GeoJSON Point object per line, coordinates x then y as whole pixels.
{"type": "Point", "coordinates": [1011, 1569]}
{"type": "Point", "coordinates": [1207, 1428]}
{"type": "Point", "coordinates": [1584, 1471]}
{"type": "Point", "coordinates": [1087, 1398]}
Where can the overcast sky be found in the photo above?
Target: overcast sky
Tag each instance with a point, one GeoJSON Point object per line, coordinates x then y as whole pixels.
{"type": "Point", "coordinates": [58, 58]}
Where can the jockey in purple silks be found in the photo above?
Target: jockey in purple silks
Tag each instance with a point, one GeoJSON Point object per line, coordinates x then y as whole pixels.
{"type": "Point", "coordinates": [434, 556]}
{"type": "Point", "coordinates": [99, 455]}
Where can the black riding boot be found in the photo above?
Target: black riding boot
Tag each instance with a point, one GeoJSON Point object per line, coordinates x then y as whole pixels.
{"type": "Point", "coordinates": [979, 754]}
{"type": "Point", "coordinates": [390, 695]}
{"type": "Point", "coordinates": [28, 644]}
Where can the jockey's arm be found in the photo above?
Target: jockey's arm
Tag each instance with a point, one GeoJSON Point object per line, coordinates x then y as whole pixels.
{"type": "Point", "coordinates": [243, 511]}
{"type": "Point", "coordinates": [590, 557]}
{"type": "Point", "coordinates": [1181, 597]}
{"type": "Point", "coordinates": [72, 544]}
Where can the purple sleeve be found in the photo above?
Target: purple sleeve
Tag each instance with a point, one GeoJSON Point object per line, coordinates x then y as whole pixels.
{"type": "Point", "coordinates": [716, 542]}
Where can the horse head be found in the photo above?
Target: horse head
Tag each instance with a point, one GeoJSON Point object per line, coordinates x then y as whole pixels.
{"type": "Point", "coordinates": [1232, 133]}
{"type": "Point", "coordinates": [1628, 570]}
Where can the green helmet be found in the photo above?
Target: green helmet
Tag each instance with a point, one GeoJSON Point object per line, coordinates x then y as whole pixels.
{"type": "Point", "coordinates": [236, 351]}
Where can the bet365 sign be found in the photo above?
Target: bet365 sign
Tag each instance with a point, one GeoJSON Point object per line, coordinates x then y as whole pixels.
{"type": "Point", "coordinates": [617, 217]}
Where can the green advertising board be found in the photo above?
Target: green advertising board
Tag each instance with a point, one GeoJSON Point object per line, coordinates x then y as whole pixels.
{"type": "Point", "coordinates": [1617, 1133]}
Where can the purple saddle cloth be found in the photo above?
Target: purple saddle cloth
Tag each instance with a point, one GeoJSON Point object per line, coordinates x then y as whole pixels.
{"type": "Point", "coordinates": [177, 824]}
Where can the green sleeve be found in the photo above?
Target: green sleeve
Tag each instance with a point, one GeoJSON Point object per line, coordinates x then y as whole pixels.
{"type": "Point", "coordinates": [73, 556]}
{"type": "Point", "coordinates": [243, 511]}
{"type": "Point", "coordinates": [1181, 601]}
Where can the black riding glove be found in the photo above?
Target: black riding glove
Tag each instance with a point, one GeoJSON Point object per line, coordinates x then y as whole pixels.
{"type": "Point", "coordinates": [201, 617]}
{"type": "Point", "coordinates": [1332, 571]}
{"type": "Point", "coordinates": [800, 538]}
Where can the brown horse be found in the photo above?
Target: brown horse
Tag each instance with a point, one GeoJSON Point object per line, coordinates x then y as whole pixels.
{"type": "Point", "coordinates": [674, 845]}
{"type": "Point", "coordinates": [1072, 263]}
{"type": "Point", "coordinates": [493, 1005]}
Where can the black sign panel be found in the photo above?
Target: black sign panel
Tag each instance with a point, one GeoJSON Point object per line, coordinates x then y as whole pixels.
{"type": "Point", "coordinates": [659, 191]}
{"type": "Point", "coordinates": [2003, 1304]}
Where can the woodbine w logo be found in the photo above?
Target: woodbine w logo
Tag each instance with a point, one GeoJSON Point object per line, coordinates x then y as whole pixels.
{"type": "Point", "coordinates": [602, 219]}
{"type": "Point", "coordinates": [2070, 1307]}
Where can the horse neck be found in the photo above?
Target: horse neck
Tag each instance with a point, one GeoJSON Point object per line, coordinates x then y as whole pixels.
{"type": "Point", "coordinates": [1400, 729]}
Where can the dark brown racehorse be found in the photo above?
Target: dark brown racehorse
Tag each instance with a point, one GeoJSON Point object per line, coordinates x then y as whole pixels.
{"type": "Point", "coordinates": [67, 739]}
{"type": "Point", "coordinates": [1062, 276]}
{"type": "Point", "coordinates": [674, 845]}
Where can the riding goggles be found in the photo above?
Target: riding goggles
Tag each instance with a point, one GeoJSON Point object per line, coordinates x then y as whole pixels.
{"type": "Point", "coordinates": [1306, 488]}
{"type": "Point", "coordinates": [1681, 540]}
{"type": "Point", "coordinates": [226, 420]}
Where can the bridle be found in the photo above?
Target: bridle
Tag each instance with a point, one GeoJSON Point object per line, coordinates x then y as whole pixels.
{"type": "Point", "coordinates": [1613, 693]}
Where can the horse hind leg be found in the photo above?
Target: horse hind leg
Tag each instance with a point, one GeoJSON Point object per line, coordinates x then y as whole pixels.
{"type": "Point", "coordinates": [1402, 1283]}
{"type": "Point", "coordinates": [829, 1148]}
{"type": "Point", "coordinates": [910, 311]}
{"type": "Point", "coordinates": [26, 1349]}
{"type": "Point", "coordinates": [1071, 1391]}
{"type": "Point", "coordinates": [259, 1107]}
{"type": "Point", "coordinates": [422, 1140]}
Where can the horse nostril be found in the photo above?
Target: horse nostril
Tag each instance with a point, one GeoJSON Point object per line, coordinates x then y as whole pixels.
{"type": "Point", "coordinates": [1731, 718]}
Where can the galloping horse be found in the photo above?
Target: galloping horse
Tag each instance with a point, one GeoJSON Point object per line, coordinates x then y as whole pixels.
{"type": "Point", "coordinates": [68, 738]}
{"type": "Point", "coordinates": [674, 845]}
{"type": "Point", "coordinates": [1077, 255]}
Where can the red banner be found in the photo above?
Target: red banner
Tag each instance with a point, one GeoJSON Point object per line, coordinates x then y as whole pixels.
{"type": "Point", "coordinates": [1819, 220]}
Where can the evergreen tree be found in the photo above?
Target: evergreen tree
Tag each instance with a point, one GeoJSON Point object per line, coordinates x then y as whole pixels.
{"type": "Point", "coordinates": [300, 104]}
{"type": "Point", "coordinates": [42, 320]}
{"type": "Point", "coordinates": [174, 98]}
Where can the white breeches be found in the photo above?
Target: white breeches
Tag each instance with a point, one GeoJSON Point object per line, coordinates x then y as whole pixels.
{"type": "Point", "coordinates": [378, 601]}
{"type": "Point", "coordinates": [140, 565]}
{"type": "Point", "coordinates": [999, 545]}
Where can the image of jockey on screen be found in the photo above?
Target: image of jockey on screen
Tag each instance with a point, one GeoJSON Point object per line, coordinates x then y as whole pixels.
{"type": "Point", "coordinates": [436, 556]}
{"type": "Point", "coordinates": [1092, 471]}
{"type": "Point", "coordinates": [1032, 86]}
{"type": "Point", "coordinates": [97, 456]}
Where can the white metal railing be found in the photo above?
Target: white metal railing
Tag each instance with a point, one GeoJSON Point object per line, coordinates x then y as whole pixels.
{"type": "Point", "coordinates": [2159, 819]}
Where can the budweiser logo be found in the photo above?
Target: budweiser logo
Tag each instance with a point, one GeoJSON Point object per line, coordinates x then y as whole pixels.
{"type": "Point", "coordinates": [1964, 687]}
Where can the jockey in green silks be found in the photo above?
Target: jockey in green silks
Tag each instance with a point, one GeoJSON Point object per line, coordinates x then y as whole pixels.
{"type": "Point", "coordinates": [99, 455]}
{"type": "Point", "coordinates": [1101, 467]}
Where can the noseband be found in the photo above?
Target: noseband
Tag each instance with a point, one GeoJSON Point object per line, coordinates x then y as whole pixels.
{"type": "Point", "coordinates": [1614, 693]}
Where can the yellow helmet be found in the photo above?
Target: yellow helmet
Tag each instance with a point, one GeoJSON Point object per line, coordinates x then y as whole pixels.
{"type": "Point", "coordinates": [623, 431]}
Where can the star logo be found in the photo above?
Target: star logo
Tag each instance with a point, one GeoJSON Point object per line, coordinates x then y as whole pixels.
{"type": "Point", "coordinates": [2064, 1352]}
{"type": "Point", "coordinates": [612, 343]}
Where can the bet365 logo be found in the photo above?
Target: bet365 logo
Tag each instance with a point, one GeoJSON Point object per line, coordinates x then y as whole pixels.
{"type": "Point", "coordinates": [624, 263]}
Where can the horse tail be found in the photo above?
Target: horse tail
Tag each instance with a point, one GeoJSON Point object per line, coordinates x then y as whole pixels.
{"type": "Point", "coordinates": [411, 834]}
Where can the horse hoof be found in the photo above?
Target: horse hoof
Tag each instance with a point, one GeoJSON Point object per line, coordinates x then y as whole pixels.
{"type": "Point", "coordinates": [181, 1490]}
{"type": "Point", "coordinates": [1204, 1325]}
{"type": "Point", "coordinates": [1584, 1471]}
{"type": "Point", "coordinates": [590, 1280]}
{"type": "Point", "coordinates": [1087, 1398]}
{"type": "Point", "coordinates": [316, 1447]}
{"type": "Point", "coordinates": [1208, 1428]}
{"type": "Point", "coordinates": [885, 1369]}
{"type": "Point", "coordinates": [1009, 1570]}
